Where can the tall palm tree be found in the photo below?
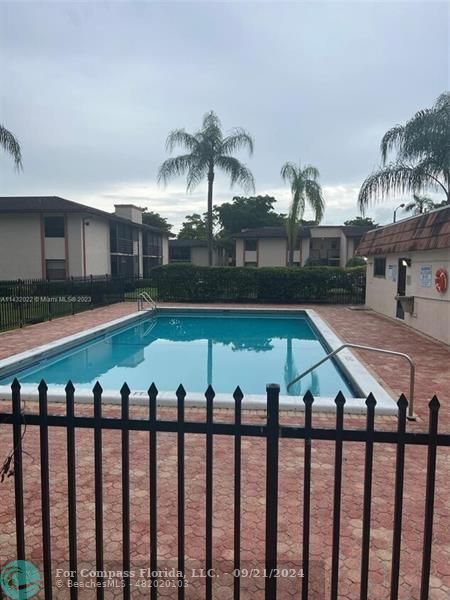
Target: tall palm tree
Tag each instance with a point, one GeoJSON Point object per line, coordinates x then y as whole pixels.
{"type": "Point", "coordinates": [208, 150]}
{"type": "Point", "coordinates": [420, 205]}
{"type": "Point", "coordinates": [422, 159]}
{"type": "Point", "coordinates": [10, 144]}
{"type": "Point", "coordinates": [305, 188]}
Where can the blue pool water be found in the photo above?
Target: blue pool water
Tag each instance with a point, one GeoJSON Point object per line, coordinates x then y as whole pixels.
{"type": "Point", "coordinates": [224, 349]}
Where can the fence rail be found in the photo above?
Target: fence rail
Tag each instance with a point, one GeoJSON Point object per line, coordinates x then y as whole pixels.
{"type": "Point", "coordinates": [271, 431]}
{"type": "Point", "coordinates": [24, 302]}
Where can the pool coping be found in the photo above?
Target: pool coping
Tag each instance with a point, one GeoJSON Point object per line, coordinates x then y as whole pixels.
{"type": "Point", "coordinates": [354, 370]}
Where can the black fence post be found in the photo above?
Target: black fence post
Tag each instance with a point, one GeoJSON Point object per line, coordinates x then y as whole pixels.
{"type": "Point", "coordinates": [18, 473]}
{"type": "Point", "coordinates": [209, 395]}
{"type": "Point", "coordinates": [429, 498]}
{"type": "Point", "coordinates": [71, 490]}
{"type": "Point", "coordinates": [45, 490]}
{"type": "Point", "coordinates": [273, 393]}
{"type": "Point", "coordinates": [398, 496]}
{"type": "Point", "coordinates": [98, 468]}
{"type": "Point", "coordinates": [368, 464]}
{"type": "Point", "coordinates": [125, 393]}
{"type": "Point", "coordinates": [181, 394]}
{"type": "Point", "coordinates": [308, 401]}
{"type": "Point", "coordinates": [238, 395]}
{"type": "Point", "coordinates": [152, 395]}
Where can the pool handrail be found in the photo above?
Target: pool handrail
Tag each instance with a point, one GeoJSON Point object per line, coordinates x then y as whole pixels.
{"type": "Point", "coordinates": [412, 370]}
{"type": "Point", "coordinates": [145, 296]}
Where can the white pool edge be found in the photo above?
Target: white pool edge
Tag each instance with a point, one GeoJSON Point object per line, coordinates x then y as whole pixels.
{"type": "Point", "coordinates": [353, 368]}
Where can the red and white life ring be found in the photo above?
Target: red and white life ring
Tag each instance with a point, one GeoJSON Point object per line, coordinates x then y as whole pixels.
{"type": "Point", "coordinates": [441, 281]}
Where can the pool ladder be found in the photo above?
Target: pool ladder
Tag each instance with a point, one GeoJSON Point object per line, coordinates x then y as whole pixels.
{"type": "Point", "coordinates": [145, 297]}
{"type": "Point", "coordinates": [412, 370]}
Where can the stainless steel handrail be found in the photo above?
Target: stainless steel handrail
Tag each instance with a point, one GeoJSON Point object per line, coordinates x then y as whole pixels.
{"type": "Point", "coordinates": [412, 371]}
{"type": "Point", "coordinates": [145, 296]}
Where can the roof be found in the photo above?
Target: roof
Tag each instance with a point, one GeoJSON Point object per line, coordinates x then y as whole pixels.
{"type": "Point", "coordinates": [430, 231]}
{"type": "Point", "coordinates": [187, 243]}
{"type": "Point", "coordinates": [268, 232]}
{"type": "Point", "coordinates": [48, 204]}
{"type": "Point", "coordinates": [305, 231]}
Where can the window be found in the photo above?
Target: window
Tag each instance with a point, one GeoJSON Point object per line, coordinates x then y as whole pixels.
{"type": "Point", "coordinates": [55, 269]}
{"type": "Point", "coordinates": [179, 254]}
{"type": "Point", "coordinates": [54, 227]}
{"type": "Point", "coordinates": [379, 267]}
{"type": "Point", "coordinates": [250, 245]}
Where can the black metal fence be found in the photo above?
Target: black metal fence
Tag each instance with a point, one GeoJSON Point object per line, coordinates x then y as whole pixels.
{"type": "Point", "coordinates": [271, 431]}
{"type": "Point", "coordinates": [24, 302]}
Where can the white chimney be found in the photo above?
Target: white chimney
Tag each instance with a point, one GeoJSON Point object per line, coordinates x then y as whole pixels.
{"type": "Point", "coordinates": [130, 212]}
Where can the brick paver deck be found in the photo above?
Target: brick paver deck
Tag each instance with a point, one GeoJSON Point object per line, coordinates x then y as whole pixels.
{"type": "Point", "coordinates": [433, 377]}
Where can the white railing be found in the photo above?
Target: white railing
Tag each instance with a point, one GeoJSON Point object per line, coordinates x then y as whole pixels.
{"type": "Point", "coordinates": [412, 369]}
{"type": "Point", "coordinates": [145, 297]}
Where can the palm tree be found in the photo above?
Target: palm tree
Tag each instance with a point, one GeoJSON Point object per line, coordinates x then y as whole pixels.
{"type": "Point", "coordinates": [422, 160]}
{"type": "Point", "coordinates": [305, 188]}
{"type": "Point", "coordinates": [208, 150]}
{"type": "Point", "coordinates": [420, 205]}
{"type": "Point", "coordinates": [10, 144]}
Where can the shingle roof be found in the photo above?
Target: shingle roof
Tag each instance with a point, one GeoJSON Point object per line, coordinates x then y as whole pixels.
{"type": "Point", "coordinates": [48, 204]}
{"type": "Point", "coordinates": [280, 232]}
{"type": "Point", "coordinates": [430, 231]}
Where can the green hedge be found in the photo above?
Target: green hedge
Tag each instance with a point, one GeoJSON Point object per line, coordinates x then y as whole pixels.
{"type": "Point", "coordinates": [189, 283]}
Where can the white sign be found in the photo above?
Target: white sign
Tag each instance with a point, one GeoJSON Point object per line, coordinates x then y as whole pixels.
{"type": "Point", "coordinates": [392, 272]}
{"type": "Point", "coordinates": [426, 276]}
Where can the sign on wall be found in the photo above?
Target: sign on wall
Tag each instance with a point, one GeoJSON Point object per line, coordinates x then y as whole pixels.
{"type": "Point", "coordinates": [426, 276]}
{"type": "Point", "coordinates": [392, 272]}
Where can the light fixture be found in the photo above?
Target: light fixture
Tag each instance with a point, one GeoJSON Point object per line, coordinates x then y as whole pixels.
{"type": "Point", "coordinates": [402, 205]}
{"type": "Point", "coordinates": [406, 262]}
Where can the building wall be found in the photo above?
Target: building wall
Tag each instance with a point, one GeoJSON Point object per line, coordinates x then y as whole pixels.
{"type": "Point", "coordinates": [272, 252]}
{"type": "Point", "coordinates": [74, 245]}
{"type": "Point", "coordinates": [239, 250]}
{"type": "Point", "coordinates": [431, 314]}
{"type": "Point", "coordinates": [20, 246]}
{"type": "Point", "coordinates": [97, 244]}
{"type": "Point", "coordinates": [165, 250]}
{"type": "Point", "coordinates": [199, 256]}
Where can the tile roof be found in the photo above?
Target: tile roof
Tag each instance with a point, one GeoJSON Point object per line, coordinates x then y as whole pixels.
{"type": "Point", "coordinates": [48, 204]}
{"type": "Point", "coordinates": [305, 231]}
{"type": "Point", "coordinates": [430, 231]}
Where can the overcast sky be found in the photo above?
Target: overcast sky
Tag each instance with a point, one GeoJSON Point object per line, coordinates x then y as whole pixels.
{"type": "Point", "coordinates": [92, 89]}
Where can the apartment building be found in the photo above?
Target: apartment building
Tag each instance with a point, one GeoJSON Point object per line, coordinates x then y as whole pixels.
{"type": "Point", "coordinates": [48, 237]}
{"type": "Point", "coordinates": [329, 245]}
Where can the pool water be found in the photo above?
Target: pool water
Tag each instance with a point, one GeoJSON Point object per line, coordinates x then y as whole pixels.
{"type": "Point", "coordinates": [222, 349]}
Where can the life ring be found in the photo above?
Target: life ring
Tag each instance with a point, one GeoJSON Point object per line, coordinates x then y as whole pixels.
{"type": "Point", "coordinates": [441, 280]}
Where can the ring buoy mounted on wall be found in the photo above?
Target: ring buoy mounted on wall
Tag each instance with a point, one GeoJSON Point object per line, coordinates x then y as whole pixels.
{"type": "Point", "coordinates": [441, 280]}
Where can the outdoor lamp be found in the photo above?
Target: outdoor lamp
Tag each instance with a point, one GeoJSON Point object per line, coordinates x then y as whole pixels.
{"type": "Point", "coordinates": [402, 205]}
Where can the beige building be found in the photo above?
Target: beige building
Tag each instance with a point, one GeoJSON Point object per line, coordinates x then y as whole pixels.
{"type": "Point", "coordinates": [407, 263]}
{"type": "Point", "coordinates": [47, 237]}
{"type": "Point", "coordinates": [195, 252]}
{"type": "Point", "coordinates": [324, 244]}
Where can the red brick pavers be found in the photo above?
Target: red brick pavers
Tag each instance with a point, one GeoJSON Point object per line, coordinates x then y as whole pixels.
{"type": "Point", "coordinates": [433, 376]}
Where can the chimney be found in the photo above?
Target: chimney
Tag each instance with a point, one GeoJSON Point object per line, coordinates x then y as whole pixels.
{"type": "Point", "coordinates": [130, 212]}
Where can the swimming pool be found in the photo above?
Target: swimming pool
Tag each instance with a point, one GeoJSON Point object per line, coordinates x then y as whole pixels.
{"type": "Point", "coordinates": [196, 347]}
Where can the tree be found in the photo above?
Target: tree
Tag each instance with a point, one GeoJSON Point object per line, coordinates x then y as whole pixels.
{"type": "Point", "coordinates": [193, 228]}
{"type": "Point", "coordinates": [422, 156]}
{"type": "Point", "coordinates": [10, 145]}
{"type": "Point", "coordinates": [305, 189]}
{"type": "Point", "coordinates": [208, 150]}
{"type": "Point", "coordinates": [361, 222]}
{"type": "Point", "coordinates": [420, 205]}
{"type": "Point", "coordinates": [149, 217]}
{"type": "Point", "coordinates": [245, 213]}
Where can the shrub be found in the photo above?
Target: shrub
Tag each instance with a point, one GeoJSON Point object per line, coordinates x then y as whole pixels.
{"type": "Point", "coordinates": [355, 261]}
{"type": "Point", "coordinates": [189, 283]}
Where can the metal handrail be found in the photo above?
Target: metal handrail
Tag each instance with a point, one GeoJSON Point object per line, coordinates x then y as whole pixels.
{"type": "Point", "coordinates": [145, 296]}
{"type": "Point", "coordinates": [412, 372]}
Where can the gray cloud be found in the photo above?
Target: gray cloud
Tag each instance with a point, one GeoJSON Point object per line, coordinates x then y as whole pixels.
{"type": "Point", "coordinates": [91, 90]}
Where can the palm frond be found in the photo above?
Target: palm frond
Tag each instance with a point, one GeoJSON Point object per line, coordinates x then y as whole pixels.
{"type": "Point", "coordinates": [179, 137]}
{"type": "Point", "coordinates": [10, 144]}
{"type": "Point", "coordinates": [310, 172]}
{"type": "Point", "coordinates": [236, 140]}
{"type": "Point", "coordinates": [313, 193]}
{"type": "Point", "coordinates": [238, 172]}
{"type": "Point", "coordinates": [288, 172]}
{"type": "Point", "coordinates": [197, 171]}
{"type": "Point", "coordinates": [397, 178]}
{"type": "Point", "coordinates": [173, 167]}
{"type": "Point", "coordinates": [391, 139]}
